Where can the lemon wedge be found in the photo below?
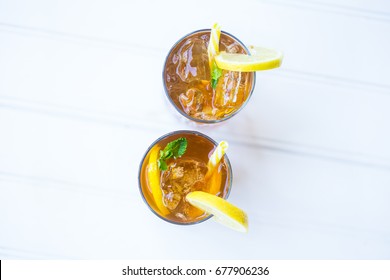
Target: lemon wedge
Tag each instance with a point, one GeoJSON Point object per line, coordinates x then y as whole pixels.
{"type": "Point", "coordinates": [154, 180]}
{"type": "Point", "coordinates": [223, 211]}
{"type": "Point", "coordinates": [261, 59]}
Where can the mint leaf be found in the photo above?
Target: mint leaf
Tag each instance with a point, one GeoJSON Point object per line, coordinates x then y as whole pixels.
{"type": "Point", "coordinates": [216, 73]}
{"type": "Point", "coordinates": [162, 164]}
{"type": "Point", "coordinates": [181, 149]}
{"type": "Point", "coordinates": [214, 83]}
{"type": "Point", "coordinates": [174, 149]}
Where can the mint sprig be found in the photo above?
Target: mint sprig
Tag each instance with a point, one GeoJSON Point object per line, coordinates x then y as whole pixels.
{"type": "Point", "coordinates": [174, 149]}
{"type": "Point", "coordinates": [216, 73]}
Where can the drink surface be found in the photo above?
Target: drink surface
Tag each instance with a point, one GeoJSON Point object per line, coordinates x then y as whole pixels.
{"type": "Point", "coordinates": [187, 79]}
{"type": "Point", "coordinates": [184, 175]}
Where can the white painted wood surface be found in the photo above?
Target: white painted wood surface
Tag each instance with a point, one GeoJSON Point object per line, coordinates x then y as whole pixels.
{"type": "Point", "coordinates": [81, 99]}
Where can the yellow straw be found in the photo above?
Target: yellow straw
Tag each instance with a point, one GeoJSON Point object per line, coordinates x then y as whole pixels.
{"type": "Point", "coordinates": [213, 48]}
{"type": "Point", "coordinates": [216, 157]}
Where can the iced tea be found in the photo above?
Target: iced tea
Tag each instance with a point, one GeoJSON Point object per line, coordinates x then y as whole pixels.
{"type": "Point", "coordinates": [186, 78]}
{"type": "Point", "coordinates": [165, 190]}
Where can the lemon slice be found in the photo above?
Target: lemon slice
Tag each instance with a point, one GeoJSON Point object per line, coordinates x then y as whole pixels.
{"type": "Point", "coordinates": [153, 174]}
{"type": "Point", "coordinates": [261, 59]}
{"type": "Point", "coordinates": [223, 211]}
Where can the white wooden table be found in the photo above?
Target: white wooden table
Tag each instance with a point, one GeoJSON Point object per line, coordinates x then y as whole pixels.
{"type": "Point", "coordinates": [81, 99]}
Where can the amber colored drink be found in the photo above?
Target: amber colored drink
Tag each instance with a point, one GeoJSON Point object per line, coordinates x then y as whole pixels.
{"type": "Point", "coordinates": [183, 175]}
{"type": "Point", "coordinates": [187, 79]}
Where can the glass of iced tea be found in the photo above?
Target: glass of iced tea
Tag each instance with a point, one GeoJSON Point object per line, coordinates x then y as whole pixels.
{"type": "Point", "coordinates": [175, 165]}
{"type": "Point", "coordinates": [186, 79]}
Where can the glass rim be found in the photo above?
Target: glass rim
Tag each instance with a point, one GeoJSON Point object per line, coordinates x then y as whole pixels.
{"type": "Point", "coordinates": [181, 111]}
{"type": "Point", "coordinates": [197, 133]}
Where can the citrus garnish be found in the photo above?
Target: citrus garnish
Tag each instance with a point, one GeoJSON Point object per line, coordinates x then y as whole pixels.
{"type": "Point", "coordinates": [154, 180]}
{"type": "Point", "coordinates": [261, 59]}
{"type": "Point", "coordinates": [223, 211]}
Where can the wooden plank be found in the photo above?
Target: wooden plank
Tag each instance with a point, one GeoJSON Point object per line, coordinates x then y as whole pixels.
{"type": "Point", "coordinates": [102, 157]}
{"type": "Point", "coordinates": [286, 111]}
{"type": "Point", "coordinates": [298, 207]}
{"type": "Point", "coordinates": [81, 99]}
{"type": "Point", "coordinates": [372, 10]}
{"type": "Point", "coordinates": [314, 41]}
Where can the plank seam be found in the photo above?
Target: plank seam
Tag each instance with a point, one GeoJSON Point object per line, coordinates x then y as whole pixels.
{"type": "Point", "coordinates": [127, 122]}
{"type": "Point", "coordinates": [123, 46]}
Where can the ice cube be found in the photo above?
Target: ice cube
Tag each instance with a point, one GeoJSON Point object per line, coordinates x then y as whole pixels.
{"type": "Point", "coordinates": [172, 198]}
{"type": "Point", "coordinates": [192, 101]}
{"type": "Point", "coordinates": [191, 61]}
{"type": "Point", "coordinates": [177, 172]}
{"type": "Point", "coordinates": [197, 99]}
{"type": "Point", "coordinates": [234, 48]}
{"type": "Point", "coordinates": [229, 93]}
{"type": "Point", "coordinates": [183, 176]}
